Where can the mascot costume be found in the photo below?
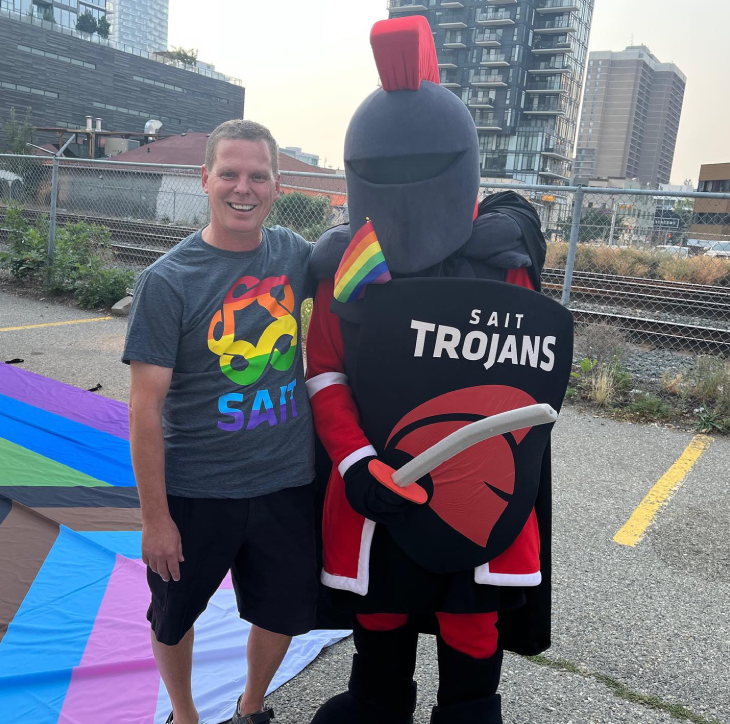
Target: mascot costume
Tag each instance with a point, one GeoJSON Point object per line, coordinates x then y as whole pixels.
{"type": "Point", "coordinates": [432, 357]}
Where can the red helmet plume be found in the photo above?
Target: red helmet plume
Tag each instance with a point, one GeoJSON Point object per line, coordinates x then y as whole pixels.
{"type": "Point", "coordinates": [404, 53]}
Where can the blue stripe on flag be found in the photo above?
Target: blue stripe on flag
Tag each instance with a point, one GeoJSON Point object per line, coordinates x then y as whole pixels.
{"type": "Point", "coordinates": [48, 635]}
{"type": "Point", "coordinates": [90, 451]}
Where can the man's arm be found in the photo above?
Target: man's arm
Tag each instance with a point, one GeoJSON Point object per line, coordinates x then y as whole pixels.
{"type": "Point", "coordinates": [161, 545]}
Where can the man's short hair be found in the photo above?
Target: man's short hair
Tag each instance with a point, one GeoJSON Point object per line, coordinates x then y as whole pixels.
{"type": "Point", "coordinates": [240, 130]}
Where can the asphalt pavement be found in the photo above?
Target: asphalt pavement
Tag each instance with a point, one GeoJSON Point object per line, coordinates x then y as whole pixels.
{"type": "Point", "coordinates": [641, 634]}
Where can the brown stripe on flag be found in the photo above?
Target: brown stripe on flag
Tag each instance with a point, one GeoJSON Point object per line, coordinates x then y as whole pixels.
{"type": "Point", "coordinates": [25, 540]}
{"type": "Point", "coordinates": [95, 518]}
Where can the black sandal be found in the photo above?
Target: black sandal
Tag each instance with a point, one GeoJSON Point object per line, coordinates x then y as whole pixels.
{"type": "Point", "coordinates": [260, 717]}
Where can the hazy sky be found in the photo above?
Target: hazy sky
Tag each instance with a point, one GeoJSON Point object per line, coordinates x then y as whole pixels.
{"type": "Point", "coordinates": [307, 64]}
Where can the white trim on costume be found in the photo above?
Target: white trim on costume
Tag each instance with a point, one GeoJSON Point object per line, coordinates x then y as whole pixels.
{"type": "Point", "coordinates": [326, 379]}
{"type": "Point", "coordinates": [483, 575]}
{"type": "Point", "coordinates": [352, 458]}
{"type": "Point", "coordinates": [360, 584]}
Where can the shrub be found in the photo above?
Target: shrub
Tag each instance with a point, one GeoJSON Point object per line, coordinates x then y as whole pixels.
{"type": "Point", "coordinates": [27, 247]}
{"type": "Point", "coordinates": [102, 286]}
{"type": "Point", "coordinates": [76, 245]}
{"type": "Point", "coordinates": [651, 407]}
{"type": "Point", "coordinates": [601, 342]}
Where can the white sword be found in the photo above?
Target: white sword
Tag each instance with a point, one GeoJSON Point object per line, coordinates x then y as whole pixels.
{"type": "Point", "coordinates": [459, 441]}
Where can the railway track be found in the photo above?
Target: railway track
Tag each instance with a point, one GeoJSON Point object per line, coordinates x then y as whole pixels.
{"type": "Point", "coordinates": [696, 299]}
{"type": "Point", "coordinates": [676, 335]}
{"type": "Point", "coordinates": [141, 243]}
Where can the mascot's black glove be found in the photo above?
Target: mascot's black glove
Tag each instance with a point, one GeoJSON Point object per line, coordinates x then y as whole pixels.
{"type": "Point", "coordinates": [372, 499]}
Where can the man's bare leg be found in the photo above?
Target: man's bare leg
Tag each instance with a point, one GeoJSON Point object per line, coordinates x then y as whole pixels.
{"type": "Point", "coordinates": [175, 664]}
{"type": "Point", "coordinates": [264, 653]}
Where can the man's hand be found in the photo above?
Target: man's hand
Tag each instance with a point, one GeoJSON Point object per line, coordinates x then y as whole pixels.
{"type": "Point", "coordinates": [371, 498]}
{"type": "Point", "coordinates": [162, 547]}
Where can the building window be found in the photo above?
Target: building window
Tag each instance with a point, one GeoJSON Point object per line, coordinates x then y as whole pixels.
{"type": "Point", "coordinates": [55, 56]}
{"type": "Point", "coordinates": [26, 89]}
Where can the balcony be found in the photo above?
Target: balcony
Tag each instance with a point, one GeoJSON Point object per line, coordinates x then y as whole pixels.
{"type": "Point", "coordinates": [557, 6]}
{"type": "Point", "coordinates": [487, 122]}
{"type": "Point", "coordinates": [488, 39]}
{"type": "Point", "coordinates": [488, 80]}
{"type": "Point", "coordinates": [453, 20]}
{"type": "Point", "coordinates": [451, 4]}
{"type": "Point", "coordinates": [559, 25]}
{"type": "Point", "coordinates": [495, 60]}
{"type": "Point", "coordinates": [454, 41]}
{"type": "Point", "coordinates": [493, 19]}
{"type": "Point", "coordinates": [553, 175]}
{"type": "Point", "coordinates": [554, 49]}
{"type": "Point", "coordinates": [501, 2]}
{"type": "Point", "coordinates": [547, 69]}
{"type": "Point", "coordinates": [546, 87]}
{"type": "Point", "coordinates": [450, 80]}
{"type": "Point", "coordinates": [545, 109]}
{"type": "Point", "coordinates": [406, 6]}
{"type": "Point", "coordinates": [478, 100]}
{"type": "Point", "coordinates": [559, 152]}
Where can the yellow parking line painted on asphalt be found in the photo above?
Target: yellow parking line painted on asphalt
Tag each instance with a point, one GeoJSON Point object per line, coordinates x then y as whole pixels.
{"type": "Point", "coordinates": [55, 324]}
{"type": "Point", "coordinates": [635, 527]}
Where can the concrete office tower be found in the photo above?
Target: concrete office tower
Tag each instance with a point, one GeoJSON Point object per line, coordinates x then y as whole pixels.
{"type": "Point", "coordinates": [518, 65]}
{"type": "Point", "coordinates": [631, 110]}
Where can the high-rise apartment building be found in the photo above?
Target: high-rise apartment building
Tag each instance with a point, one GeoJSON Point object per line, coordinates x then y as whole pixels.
{"type": "Point", "coordinates": [631, 110]}
{"type": "Point", "coordinates": [139, 24]}
{"type": "Point", "coordinates": [518, 65]}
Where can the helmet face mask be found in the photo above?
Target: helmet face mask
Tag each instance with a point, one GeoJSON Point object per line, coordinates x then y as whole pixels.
{"type": "Point", "coordinates": [412, 166]}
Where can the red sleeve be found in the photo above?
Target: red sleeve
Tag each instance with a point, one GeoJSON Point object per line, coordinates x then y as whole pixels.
{"type": "Point", "coordinates": [336, 418]}
{"type": "Point", "coordinates": [520, 277]}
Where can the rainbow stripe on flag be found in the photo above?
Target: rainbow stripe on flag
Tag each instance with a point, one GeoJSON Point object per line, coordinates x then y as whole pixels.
{"type": "Point", "coordinates": [74, 639]}
{"type": "Point", "coordinates": [363, 263]}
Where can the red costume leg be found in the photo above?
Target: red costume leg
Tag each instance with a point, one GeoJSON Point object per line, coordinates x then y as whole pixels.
{"type": "Point", "coordinates": [470, 663]}
{"type": "Point", "coordinates": [382, 621]}
{"type": "Point", "coordinates": [474, 634]}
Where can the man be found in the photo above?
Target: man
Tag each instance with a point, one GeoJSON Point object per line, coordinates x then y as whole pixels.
{"type": "Point", "coordinates": [221, 431]}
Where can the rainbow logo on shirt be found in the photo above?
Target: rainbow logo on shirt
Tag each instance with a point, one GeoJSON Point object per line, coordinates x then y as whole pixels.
{"type": "Point", "coordinates": [278, 342]}
{"type": "Point", "coordinates": [363, 263]}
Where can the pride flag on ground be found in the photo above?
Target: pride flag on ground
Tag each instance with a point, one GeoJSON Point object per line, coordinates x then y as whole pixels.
{"type": "Point", "coordinates": [74, 641]}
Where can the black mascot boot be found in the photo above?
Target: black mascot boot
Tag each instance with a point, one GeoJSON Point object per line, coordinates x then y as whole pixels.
{"type": "Point", "coordinates": [467, 688]}
{"type": "Point", "coordinates": [381, 688]}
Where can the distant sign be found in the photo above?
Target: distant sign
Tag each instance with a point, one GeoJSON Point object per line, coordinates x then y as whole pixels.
{"type": "Point", "coordinates": [665, 222]}
{"type": "Point", "coordinates": [548, 197]}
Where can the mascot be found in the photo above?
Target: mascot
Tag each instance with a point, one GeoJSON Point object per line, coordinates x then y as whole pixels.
{"type": "Point", "coordinates": [429, 350]}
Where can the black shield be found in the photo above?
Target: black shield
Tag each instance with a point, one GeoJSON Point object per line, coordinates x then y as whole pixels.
{"type": "Point", "coordinates": [437, 354]}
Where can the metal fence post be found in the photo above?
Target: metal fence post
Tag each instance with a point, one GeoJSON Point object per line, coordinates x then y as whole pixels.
{"type": "Point", "coordinates": [54, 203]}
{"type": "Point", "coordinates": [574, 231]}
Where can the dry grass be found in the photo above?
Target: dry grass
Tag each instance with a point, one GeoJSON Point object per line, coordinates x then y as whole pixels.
{"type": "Point", "coordinates": [557, 253]}
{"type": "Point", "coordinates": [603, 385]}
{"type": "Point", "coordinates": [673, 384]}
{"type": "Point", "coordinates": [699, 270]}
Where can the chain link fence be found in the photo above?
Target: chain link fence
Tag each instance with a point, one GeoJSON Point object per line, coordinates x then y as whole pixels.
{"type": "Point", "coordinates": [653, 265]}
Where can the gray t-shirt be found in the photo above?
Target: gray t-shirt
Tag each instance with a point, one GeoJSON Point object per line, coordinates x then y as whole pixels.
{"type": "Point", "coordinates": [237, 420]}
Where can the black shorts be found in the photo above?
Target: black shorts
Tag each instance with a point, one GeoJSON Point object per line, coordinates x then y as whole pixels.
{"type": "Point", "coordinates": [268, 544]}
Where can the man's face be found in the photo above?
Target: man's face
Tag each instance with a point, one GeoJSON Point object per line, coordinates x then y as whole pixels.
{"type": "Point", "coordinates": [241, 188]}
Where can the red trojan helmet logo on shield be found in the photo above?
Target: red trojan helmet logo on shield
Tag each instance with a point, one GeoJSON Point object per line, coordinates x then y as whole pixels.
{"type": "Point", "coordinates": [471, 490]}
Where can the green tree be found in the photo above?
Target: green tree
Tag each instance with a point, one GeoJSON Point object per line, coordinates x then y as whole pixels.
{"type": "Point", "coordinates": [190, 57]}
{"type": "Point", "coordinates": [595, 225]}
{"type": "Point", "coordinates": [307, 215]}
{"type": "Point", "coordinates": [103, 27]}
{"type": "Point", "coordinates": [17, 133]}
{"type": "Point", "coordinates": [86, 23]}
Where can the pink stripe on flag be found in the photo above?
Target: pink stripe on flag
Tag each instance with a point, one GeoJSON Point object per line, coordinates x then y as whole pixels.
{"type": "Point", "coordinates": [117, 679]}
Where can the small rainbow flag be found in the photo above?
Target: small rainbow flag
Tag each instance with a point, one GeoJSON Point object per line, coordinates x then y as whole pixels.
{"type": "Point", "coordinates": [363, 263]}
